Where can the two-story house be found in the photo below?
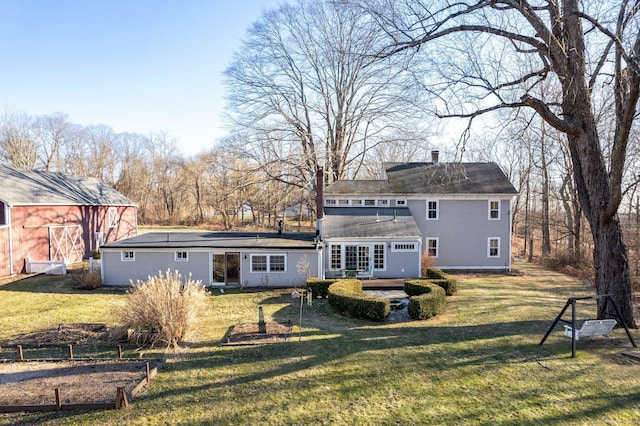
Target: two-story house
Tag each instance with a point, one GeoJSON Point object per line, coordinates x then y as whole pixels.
{"type": "Point", "coordinates": [459, 214]}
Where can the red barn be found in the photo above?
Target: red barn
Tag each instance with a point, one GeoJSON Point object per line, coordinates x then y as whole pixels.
{"type": "Point", "coordinates": [55, 217]}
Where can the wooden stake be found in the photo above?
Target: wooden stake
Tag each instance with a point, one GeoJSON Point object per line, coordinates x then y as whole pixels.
{"type": "Point", "coordinates": [121, 398]}
{"type": "Point", "coordinates": [58, 402]}
{"type": "Point", "coordinates": [120, 351]}
{"type": "Point", "coordinates": [20, 354]}
{"type": "Point", "coordinates": [70, 351]}
{"type": "Point", "coordinates": [148, 373]}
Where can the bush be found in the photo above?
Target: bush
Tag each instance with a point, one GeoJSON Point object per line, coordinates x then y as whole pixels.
{"type": "Point", "coordinates": [427, 299]}
{"type": "Point", "coordinates": [448, 283]}
{"type": "Point", "coordinates": [86, 280]}
{"type": "Point", "coordinates": [319, 287]}
{"type": "Point", "coordinates": [163, 309]}
{"type": "Point", "coordinates": [346, 297]}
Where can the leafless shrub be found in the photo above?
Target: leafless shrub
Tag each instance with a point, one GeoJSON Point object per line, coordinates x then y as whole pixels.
{"type": "Point", "coordinates": [162, 310]}
{"type": "Point", "coordinates": [86, 280]}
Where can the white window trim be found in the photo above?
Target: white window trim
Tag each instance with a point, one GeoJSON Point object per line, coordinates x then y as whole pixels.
{"type": "Point", "coordinates": [427, 247]}
{"type": "Point", "coordinates": [128, 259]}
{"type": "Point", "coordinates": [268, 256]}
{"type": "Point", "coordinates": [395, 247]}
{"type": "Point", "coordinates": [330, 202]}
{"type": "Point", "coordinates": [112, 217]}
{"type": "Point", "coordinates": [382, 202]}
{"type": "Point", "coordinates": [357, 202]}
{"type": "Point", "coordinates": [401, 203]}
{"type": "Point", "coordinates": [489, 247]}
{"type": "Point", "coordinates": [437, 209]}
{"type": "Point", "coordinates": [372, 247]}
{"type": "Point", "coordinates": [489, 209]}
{"type": "Point", "coordinates": [372, 201]}
{"type": "Point", "coordinates": [181, 259]}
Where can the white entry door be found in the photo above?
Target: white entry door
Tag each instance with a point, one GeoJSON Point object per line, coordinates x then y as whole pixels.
{"type": "Point", "coordinates": [65, 243]}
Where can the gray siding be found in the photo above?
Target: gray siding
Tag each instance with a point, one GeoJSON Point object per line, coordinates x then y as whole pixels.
{"type": "Point", "coordinates": [147, 263]}
{"type": "Point", "coordinates": [397, 264]}
{"type": "Point", "coordinates": [463, 230]}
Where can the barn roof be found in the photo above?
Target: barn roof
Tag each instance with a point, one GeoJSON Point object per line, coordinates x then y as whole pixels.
{"type": "Point", "coordinates": [34, 187]}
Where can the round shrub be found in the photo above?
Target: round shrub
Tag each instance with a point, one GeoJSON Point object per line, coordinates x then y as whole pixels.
{"type": "Point", "coordinates": [427, 300]}
{"type": "Point", "coordinates": [448, 283]}
{"type": "Point", "coordinates": [346, 297]}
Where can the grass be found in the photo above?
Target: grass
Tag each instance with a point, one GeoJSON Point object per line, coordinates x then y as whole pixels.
{"type": "Point", "coordinates": [478, 363]}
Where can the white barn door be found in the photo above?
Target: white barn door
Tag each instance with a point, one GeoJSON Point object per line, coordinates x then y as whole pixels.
{"type": "Point", "coordinates": [65, 243]}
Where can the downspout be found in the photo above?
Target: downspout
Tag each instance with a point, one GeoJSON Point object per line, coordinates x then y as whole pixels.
{"type": "Point", "coordinates": [510, 233]}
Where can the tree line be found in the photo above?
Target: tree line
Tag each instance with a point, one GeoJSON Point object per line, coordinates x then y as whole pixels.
{"type": "Point", "coordinates": [547, 89]}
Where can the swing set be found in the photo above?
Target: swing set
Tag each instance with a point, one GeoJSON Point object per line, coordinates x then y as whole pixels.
{"type": "Point", "coordinates": [590, 328]}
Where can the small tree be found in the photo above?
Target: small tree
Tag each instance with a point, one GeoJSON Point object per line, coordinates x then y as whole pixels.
{"type": "Point", "coordinates": [163, 309]}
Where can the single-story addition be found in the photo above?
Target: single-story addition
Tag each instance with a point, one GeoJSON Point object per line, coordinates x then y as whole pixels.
{"type": "Point", "coordinates": [48, 220]}
{"type": "Point", "coordinates": [247, 259]}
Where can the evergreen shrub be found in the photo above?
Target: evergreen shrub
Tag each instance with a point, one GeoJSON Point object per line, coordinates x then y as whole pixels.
{"type": "Point", "coordinates": [346, 297]}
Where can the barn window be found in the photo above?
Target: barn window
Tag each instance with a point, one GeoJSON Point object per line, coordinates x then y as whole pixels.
{"type": "Point", "coordinates": [113, 217]}
{"type": "Point", "coordinates": [128, 256]}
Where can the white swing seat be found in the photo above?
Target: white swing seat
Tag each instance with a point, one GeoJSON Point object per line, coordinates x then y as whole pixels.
{"type": "Point", "coordinates": [592, 328]}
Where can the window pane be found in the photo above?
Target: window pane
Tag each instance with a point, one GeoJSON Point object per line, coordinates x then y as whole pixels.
{"type": "Point", "coordinates": [363, 257]}
{"type": "Point", "coordinates": [336, 257]}
{"type": "Point", "coordinates": [276, 263]}
{"type": "Point", "coordinates": [351, 257]}
{"type": "Point", "coordinates": [258, 263]}
{"type": "Point", "coordinates": [432, 210]}
{"type": "Point", "coordinates": [378, 256]}
{"type": "Point", "coordinates": [432, 247]}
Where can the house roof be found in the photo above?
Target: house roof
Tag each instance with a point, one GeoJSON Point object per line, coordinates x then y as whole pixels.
{"type": "Point", "coordinates": [33, 187]}
{"type": "Point", "coordinates": [368, 222]}
{"type": "Point", "coordinates": [210, 240]}
{"type": "Point", "coordinates": [359, 187]}
{"type": "Point", "coordinates": [447, 178]}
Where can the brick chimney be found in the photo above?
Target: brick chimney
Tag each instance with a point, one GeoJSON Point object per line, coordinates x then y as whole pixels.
{"type": "Point", "coordinates": [319, 193]}
{"type": "Point", "coordinates": [434, 156]}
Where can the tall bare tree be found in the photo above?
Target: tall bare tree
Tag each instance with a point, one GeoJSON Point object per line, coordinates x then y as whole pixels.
{"type": "Point", "coordinates": [498, 51]}
{"type": "Point", "coordinates": [305, 91]}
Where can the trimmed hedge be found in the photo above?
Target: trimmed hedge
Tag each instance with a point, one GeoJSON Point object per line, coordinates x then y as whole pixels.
{"type": "Point", "coordinates": [449, 284]}
{"type": "Point", "coordinates": [346, 297]}
{"type": "Point", "coordinates": [427, 299]}
{"type": "Point", "coordinates": [320, 287]}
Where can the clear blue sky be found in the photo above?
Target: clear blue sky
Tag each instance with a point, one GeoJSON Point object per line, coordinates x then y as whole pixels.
{"type": "Point", "coordinates": [135, 65]}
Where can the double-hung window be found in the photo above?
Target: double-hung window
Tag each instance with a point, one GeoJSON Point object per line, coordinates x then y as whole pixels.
{"type": "Point", "coordinates": [112, 214]}
{"type": "Point", "coordinates": [493, 247]}
{"type": "Point", "coordinates": [432, 209]}
{"type": "Point", "coordinates": [494, 209]}
{"type": "Point", "coordinates": [432, 247]}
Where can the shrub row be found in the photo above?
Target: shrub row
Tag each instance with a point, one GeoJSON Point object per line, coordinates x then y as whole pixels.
{"type": "Point", "coordinates": [437, 276]}
{"type": "Point", "coordinates": [320, 287]}
{"type": "Point", "coordinates": [346, 297]}
{"type": "Point", "coordinates": [426, 298]}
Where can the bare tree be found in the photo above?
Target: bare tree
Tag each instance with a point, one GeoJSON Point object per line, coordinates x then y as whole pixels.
{"type": "Point", "coordinates": [305, 91]}
{"type": "Point", "coordinates": [586, 47]}
{"type": "Point", "coordinates": [17, 146]}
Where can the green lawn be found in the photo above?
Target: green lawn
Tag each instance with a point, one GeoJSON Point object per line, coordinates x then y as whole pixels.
{"type": "Point", "coordinates": [477, 363]}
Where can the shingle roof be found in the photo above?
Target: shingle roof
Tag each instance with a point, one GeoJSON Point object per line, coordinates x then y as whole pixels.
{"type": "Point", "coordinates": [368, 222]}
{"type": "Point", "coordinates": [226, 240]}
{"type": "Point", "coordinates": [360, 187]}
{"type": "Point", "coordinates": [448, 178]}
{"type": "Point", "coordinates": [31, 187]}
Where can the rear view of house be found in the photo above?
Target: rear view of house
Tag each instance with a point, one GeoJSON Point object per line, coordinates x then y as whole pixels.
{"type": "Point", "coordinates": [58, 218]}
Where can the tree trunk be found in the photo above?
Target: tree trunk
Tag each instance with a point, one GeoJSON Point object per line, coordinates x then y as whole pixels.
{"type": "Point", "coordinates": [612, 272]}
